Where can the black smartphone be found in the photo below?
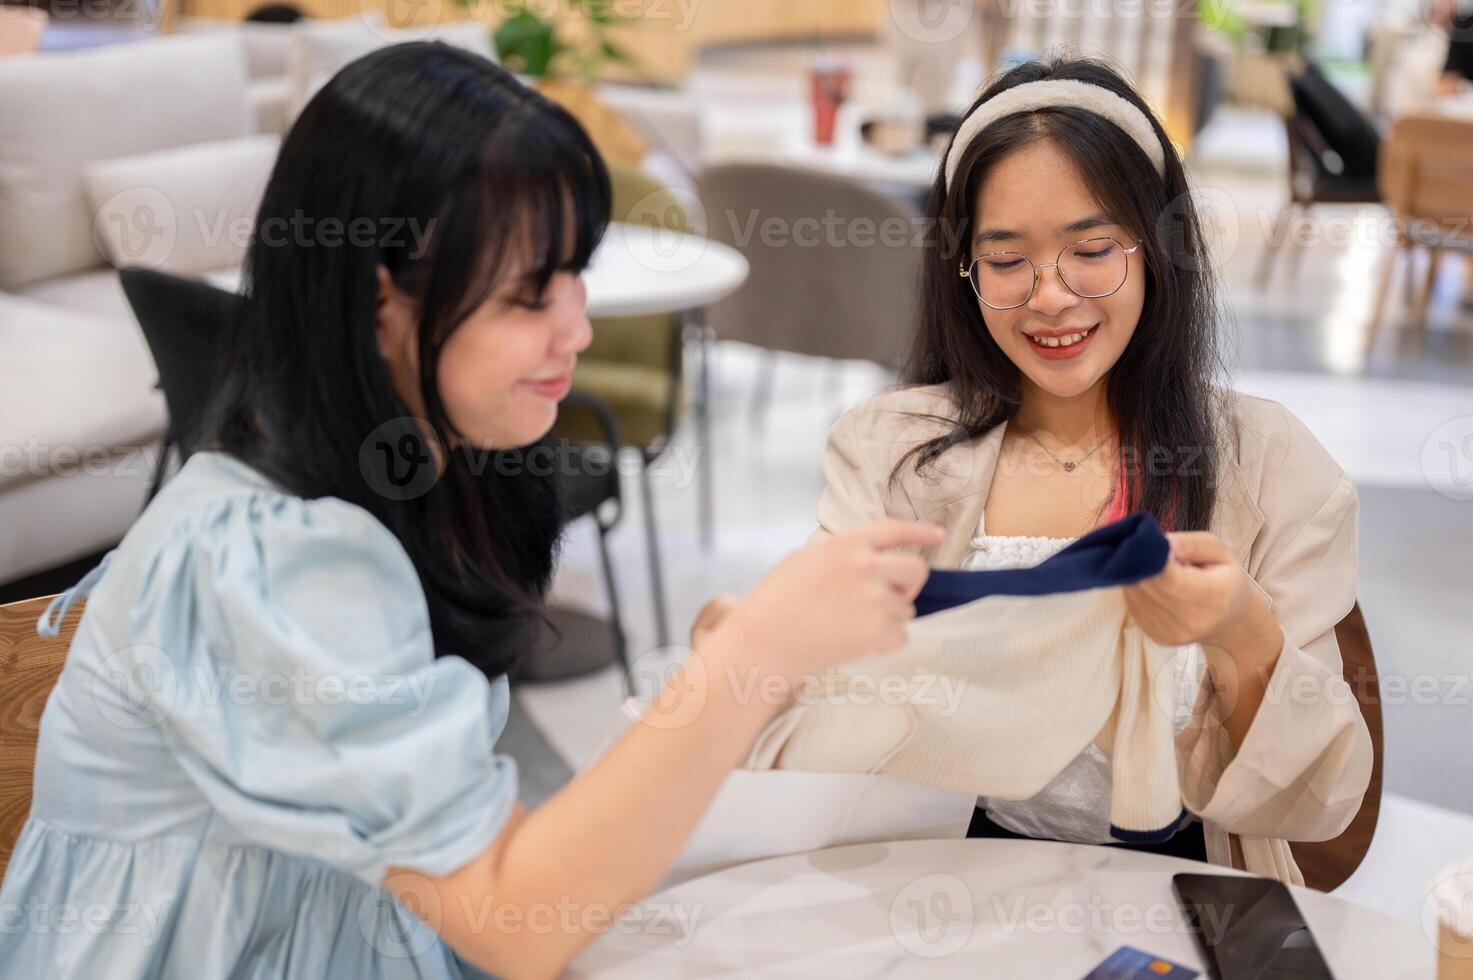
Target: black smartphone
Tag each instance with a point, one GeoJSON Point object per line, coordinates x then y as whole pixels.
{"type": "Point", "coordinates": [1249, 928]}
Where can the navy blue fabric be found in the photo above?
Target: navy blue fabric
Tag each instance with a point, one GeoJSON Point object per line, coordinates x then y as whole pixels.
{"type": "Point", "coordinates": [1150, 836]}
{"type": "Point", "coordinates": [1131, 549]}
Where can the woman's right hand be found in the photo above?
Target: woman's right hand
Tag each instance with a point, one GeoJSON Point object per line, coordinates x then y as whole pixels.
{"type": "Point", "coordinates": [842, 597]}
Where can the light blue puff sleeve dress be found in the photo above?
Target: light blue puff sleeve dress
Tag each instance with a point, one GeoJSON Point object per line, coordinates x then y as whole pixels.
{"type": "Point", "coordinates": [250, 728]}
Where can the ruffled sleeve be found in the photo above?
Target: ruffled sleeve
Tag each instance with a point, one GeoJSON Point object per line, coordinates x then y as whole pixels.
{"type": "Point", "coordinates": [296, 684]}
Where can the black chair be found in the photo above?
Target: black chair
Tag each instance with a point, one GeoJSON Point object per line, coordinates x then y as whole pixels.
{"type": "Point", "coordinates": [184, 323]}
{"type": "Point", "coordinates": [1333, 151]}
{"type": "Point", "coordinates": [590, 487]}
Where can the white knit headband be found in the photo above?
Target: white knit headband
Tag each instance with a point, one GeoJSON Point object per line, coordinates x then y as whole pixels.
{"type": "Point", "coordinates": [1057, 92]}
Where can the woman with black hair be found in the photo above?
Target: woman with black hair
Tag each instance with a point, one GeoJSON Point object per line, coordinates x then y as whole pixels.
{"type": "Point", "coordinates": [1065, 373]}
{"type": "Point", "coordinates": [270, 751]}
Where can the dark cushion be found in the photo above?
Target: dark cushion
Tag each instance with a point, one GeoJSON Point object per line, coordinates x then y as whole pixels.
{"type": "Point", "coordinates": [1460, 45]}
{"type": "Point", "coordinates": [184, 322]}
{"type": "Point", "coordinates": [1350, 137]}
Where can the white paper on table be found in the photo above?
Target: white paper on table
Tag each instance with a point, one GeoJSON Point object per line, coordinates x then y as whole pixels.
{"type": "Point", "coordinates": [767, 813]}
{"type": "Point", "coordinates": [761, 814]}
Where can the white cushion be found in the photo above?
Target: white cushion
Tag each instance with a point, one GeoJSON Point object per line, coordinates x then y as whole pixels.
{"type": "Point", "coordinates": [97, 291]}
{"type": "Point", "coordinates": [269, 98]}
{"type": "Point", "coordinates": [267, 47]}
{"type": "Point", "coordinates": [183, 210]}
{"type": "Point", "coordinates": [85, 384]}
{"type": "Point", "coordinates": [323, 48]}
{"type": "Point", "coordinates": [80, 422]}
{"type": "Point", "coordinates": [59, 111]}
{"type": "Point", "coordinates": [80, 510]}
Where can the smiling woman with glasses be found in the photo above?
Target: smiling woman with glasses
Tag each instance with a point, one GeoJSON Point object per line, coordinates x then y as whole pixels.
{"type": "Point", "coordinates": [1065, 374]}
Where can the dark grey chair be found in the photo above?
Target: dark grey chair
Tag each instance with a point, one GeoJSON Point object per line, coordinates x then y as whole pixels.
{"type": "Point", "coordinates": [836, 276]}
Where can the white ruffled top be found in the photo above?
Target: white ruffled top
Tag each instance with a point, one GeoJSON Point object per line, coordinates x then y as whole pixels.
{"type": "Point", "coordinates": [1075, 805]}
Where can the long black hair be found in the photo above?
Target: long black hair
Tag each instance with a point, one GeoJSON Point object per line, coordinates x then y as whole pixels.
{"type": "Point", "coordinates": [441, 167]}
{"type": "Point", "coordinates": [1162, 390]}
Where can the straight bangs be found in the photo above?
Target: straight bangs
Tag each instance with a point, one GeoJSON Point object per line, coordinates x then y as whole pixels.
{"type": "Point", "coordinates": [538, 205]}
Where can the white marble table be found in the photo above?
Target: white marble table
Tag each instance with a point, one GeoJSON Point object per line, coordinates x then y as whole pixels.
{"type": "Point", "coordinates": [971, 908]}
{"type": "Point", "coordinates": [639, 270]}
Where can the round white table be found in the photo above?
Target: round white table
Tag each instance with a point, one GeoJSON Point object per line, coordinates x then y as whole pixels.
{"type": "Point", "coordinates": [949, 908]}
{"type": "Point", "coordinates": [638, 270]}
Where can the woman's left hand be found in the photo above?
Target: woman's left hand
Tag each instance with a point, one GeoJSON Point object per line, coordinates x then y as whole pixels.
{"type": "Point", "coordinates": [1204, 596]}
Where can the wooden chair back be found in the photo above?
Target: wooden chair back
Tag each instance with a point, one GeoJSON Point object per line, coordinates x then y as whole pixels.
{"type": "Point", "coordinates": [1426, 174]}
{"type": "Point", "coordinates": [29, 666]}
{"type": "Point", "coordinates": [1326, 864]}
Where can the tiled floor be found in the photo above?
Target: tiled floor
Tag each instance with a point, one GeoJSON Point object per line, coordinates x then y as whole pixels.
{"type": "Point", "coordinates": [1298, 341]}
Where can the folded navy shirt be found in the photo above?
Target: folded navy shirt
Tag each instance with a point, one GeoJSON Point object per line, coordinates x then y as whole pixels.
{"type": "Point", "coordinates": [1131, 549]}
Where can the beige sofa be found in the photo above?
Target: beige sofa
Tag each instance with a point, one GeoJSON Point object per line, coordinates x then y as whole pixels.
{"type": "Point", "coordinates": [145, 153]}
{"type": "Point", "coordinates": [79, 416]}
{"type": "Point", "coordinates": [152, 153]}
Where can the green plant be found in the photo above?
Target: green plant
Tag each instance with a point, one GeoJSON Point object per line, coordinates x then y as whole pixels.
{"type": "Point", "coordinates": [540, 47]}
{"type": "Point", "coordinates": [1221, 17]}
{"type": "Point", "coordinates": [1224, 17]}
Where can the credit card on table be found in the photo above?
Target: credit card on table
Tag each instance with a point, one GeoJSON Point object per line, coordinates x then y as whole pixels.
{"type": "Point", "coordinates": [1129, 963]}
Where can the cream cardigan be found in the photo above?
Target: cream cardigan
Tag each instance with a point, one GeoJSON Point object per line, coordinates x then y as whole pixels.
{"type": "Point", "coordinates": [1289, 514]}
{"type": "Point", "coordinates": [1016, 644]}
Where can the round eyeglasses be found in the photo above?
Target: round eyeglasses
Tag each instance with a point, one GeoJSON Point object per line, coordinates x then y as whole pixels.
{"type": "Point", "coordinates": [1093, 268]}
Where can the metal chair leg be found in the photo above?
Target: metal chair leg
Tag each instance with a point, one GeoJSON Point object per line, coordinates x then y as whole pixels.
{"type": "Point", "coordinates": [616, 621]}
{"type": "Point", "coordinates": [657, 579]}
{"type": "Point", "coordinates": [706, 490]}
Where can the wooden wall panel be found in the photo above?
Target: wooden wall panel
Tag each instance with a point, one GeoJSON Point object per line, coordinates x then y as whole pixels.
{"type": "Point", "coordinates": [666, 38]}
